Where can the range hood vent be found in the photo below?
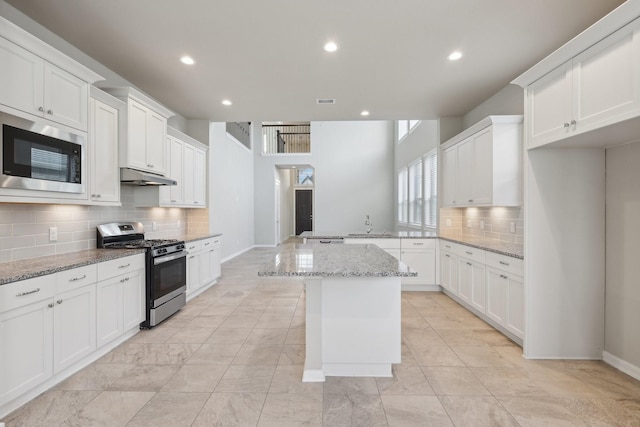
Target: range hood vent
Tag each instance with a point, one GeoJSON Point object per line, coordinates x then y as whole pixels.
{"type": "Point", "coordinates": [136, 177]}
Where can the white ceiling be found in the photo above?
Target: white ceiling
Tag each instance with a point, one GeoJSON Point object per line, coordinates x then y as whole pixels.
{"type": "Point", "coordinates": [267, 57]}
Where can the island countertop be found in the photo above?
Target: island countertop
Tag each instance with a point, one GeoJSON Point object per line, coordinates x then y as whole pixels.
{"type": "Point", "coordinates": [335, 261]}
{"type": "Point", "coordinates": [373, 235]}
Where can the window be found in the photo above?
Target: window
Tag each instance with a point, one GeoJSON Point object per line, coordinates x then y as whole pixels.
{"type": "Point", "coordinates": [405, 127]}
{"type": "Point", "coordinates": [415, 193]}
{"type": "Point", "coordinates": [304, 176]}
{"type": "Point", "coordinates": [430, 189]}
{"type": "Point", "coordinates": [402, 196]}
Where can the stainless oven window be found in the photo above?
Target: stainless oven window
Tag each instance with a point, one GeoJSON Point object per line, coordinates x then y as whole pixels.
{"type": "Point", "coordinates": [167, 276]}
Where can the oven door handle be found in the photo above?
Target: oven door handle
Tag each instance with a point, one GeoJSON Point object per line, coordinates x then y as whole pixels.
{"type": "Point", "coordinates": [167, 258]}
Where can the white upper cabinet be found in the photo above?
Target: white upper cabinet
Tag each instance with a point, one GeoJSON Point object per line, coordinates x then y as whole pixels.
{"type": "Point", "coordinates": [40, 81]}
{"type": "Point", "coordinates": [103, 148]}
{"type": "Point", "coordinates": [143, 133]}
{"type": "Point", "coordinates": [596, 88]}
{"type": "Point", "coordinates": [482, 165]}
{"type": "Point", "coordinates": [187, 164]}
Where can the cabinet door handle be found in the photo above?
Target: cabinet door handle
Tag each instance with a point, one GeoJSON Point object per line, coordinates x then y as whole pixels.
{"type": "Point", "coordinates": [216, 241]}
{"type": "Point", "coordinates": [150, 166]}
{"type": "Point", "coordinates": [503, 276]}
{"type": "Point", "coordinates": [49, 111]}
{"type": "Point", "coordinates": [470, 200]}
{"type": "Point", "coordinates": [503, 263]}
{"type": "Point", "coordinates": [417, 244]}
{"type": "Point", "coordinates": [207, 244]}
{"type": "Point", "coordinates": [447, 255]}
{"type": "Point", "coordinates": [192, 256]}
{"type": "Point", "coordinates": [75, 279]}
{"type": "Point", "coordinates": [126, 279]}
{"type": "Point", "coordinates": [50, 305]}
{"type": "Point", "coordinates": [41, 109]}
{"type": "Point", "coordinates": [191, 247]}
{"type": "Point", "coordinates": [469, 263]}
{"type": "Point", "coordinates": [33, 291]}
{"type": "Point", "coordinates": [566, 125]}
{"type": "Point", "coordinates": [447, 246]}
{"type": "Point", "coordinates": [573, 122]}
{"type": "Point", "coordinates": [59, 301]}
{"type": "Point", "coordinates": [125, 265]}
{"type": "Point", "coordinates": [195, 202]}
{"type": "Point", "coordinates": [173, 201]}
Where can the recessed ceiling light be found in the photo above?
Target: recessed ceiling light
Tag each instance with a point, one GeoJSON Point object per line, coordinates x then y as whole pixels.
{"type": "Point", "coordinates": [330, 46]}
{"type": "Point", "coordinates": [455, 56]}
{"type": "Point", "coordinates": [364, 113]}
{"type": "Point", "coordinates": [187, 60]}
{"type": "Point", "coordinates": [226, 102]}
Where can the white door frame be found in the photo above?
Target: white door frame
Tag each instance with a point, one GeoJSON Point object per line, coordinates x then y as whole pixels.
{"type": "Point", "coordinates": [277, 212]}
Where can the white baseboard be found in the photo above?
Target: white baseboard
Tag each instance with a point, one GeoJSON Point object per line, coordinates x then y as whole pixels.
{"type": "Point", "coordinates": [264, 246]}
{"type": "Point", "coordinates": [622, 365]}
{"type": "Point", "coordinates": [230, 257]}
{"type": "Point", "coordinates": [421, 288]}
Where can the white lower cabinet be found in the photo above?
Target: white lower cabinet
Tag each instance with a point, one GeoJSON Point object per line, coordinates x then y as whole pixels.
{"type": "Point", "coordinates": [53, 324]}
{"type": "Point", "coordinates": [74, 326]}
{"type": "Point", "coordinates": [26, 353]}
{"type": "Point", "coordinates": [419, 254]}
{"type": "Point", "coordinates": [203, 264]}
{"type": "Point", "coordinates": [121, 293]}
{"type": "Point", "coordinates": [489, 284]}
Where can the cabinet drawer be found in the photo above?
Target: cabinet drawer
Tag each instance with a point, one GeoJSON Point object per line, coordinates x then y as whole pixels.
{"type": "Point", "coordinates": [418, 243]}
{"type": "Point", "coordinates": [76, 278]}
{"type": "Point", "coordinates": [24, 292]}
{"type": "Point", "coordinates": [193, 247]}
{"type": "Point", "coordinates": [116, 267]}
{"type": "Point", "coordinates": [506, 263]}
{"type": "Point", "coordinates": [473, 254]}
{"type": "Point", "coordinates": [208, 243]}
{"type": "Point", "coordinates": [448, 246]}
{"type": "Point", "coordinates": [217, 241]}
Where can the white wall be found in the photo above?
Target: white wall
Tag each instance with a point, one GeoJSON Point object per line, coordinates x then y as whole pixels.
{"type": "Point", "coordinates": [422, 139]}
{"type": "Point", "coordinates": [285, 176]}
{"type": "Point", "coordinates": [354, 176]}
{"type": "Point", "coordinates": [623, 253]}
{"type": "Point", "coordinates": [230, 191]}
{"type": "Point", "coordinates": [509, 100]}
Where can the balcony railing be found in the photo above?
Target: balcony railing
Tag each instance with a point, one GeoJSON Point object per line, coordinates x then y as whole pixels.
{"type": "Point", "coordinates": [286, 138]}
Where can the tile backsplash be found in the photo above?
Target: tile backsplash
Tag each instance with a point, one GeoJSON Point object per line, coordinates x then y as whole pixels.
{"type": "Point", "coordinates": [24, 228]}
{"type": "Point", "coordinates": [492, 223]}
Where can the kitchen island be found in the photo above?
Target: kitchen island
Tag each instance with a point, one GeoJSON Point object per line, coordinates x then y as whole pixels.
{"type": "Point", "coordinates": [352, 307]}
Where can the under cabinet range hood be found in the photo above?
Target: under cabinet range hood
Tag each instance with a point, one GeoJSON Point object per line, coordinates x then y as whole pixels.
{"type": "Point", "coordinates": [135, 177]}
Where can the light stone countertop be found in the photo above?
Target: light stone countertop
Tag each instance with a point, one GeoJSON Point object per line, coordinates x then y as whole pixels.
{"type": "Point", "coordinates": [29, 268]}
{"type": "Point", "coordinates": [373, 235]}
{"type": "Point", "coordinates": [335, 261]}
{"type": "Point", "coordinates": [192, 237]}
{"type": "Point", "coordinates": [509, 249]}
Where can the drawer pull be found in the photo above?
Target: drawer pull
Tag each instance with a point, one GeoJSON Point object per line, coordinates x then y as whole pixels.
{"type": "Point", "coordinates": [59, 301]}
{"type": "Point", "coordinates": [126, 279]}
{"type": "Point", "coordinates": [447, 255]}
{"type": "Point", "coordinates": [216, 241]}
{"type": "Point", "coordinates": [21, 294]}
{"type": "Point", "coordinates": [469, 263]}
{"type": "Point", "coordinates": [192, 256]}
{"type": "Point", "coordinates": [124, 266]}
{"type": "Point", "coordinates": [468, 253]}
{"type": "Point", "coordinates": [503, 263]}
{"type": "Point", "coordinates": [503, 276]}
{"type": "Point", "coordinates": [447, 246]}
{"type": "Point", "coordinates": [207, 244]}
{"type": "Point", "coordinates": [417, 244]}
{"type": "Point", "coordinates": [75, 279]}
{"type": "Point", "coordinates": [50, 305]}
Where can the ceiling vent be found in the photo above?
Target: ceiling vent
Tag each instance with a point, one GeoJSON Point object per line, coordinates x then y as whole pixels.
{"type": "Point", "coordinates": [325, 101]}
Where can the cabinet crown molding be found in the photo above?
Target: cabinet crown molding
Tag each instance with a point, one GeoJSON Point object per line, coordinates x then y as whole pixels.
{"type": "Point", "coordinates": [613, 21]}
{"type": "Point", "coordinates": [28, 41]}
{"type": "Point", "coordinates": [186, 138]}
{"type": "Point", "coordinates": [482, 124]}
{"type": "Point", "coordinates": [130, 92]}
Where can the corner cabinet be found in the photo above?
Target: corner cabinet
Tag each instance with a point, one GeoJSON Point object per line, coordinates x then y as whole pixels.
{"type": "Point", "coordinates": [104, 183]}
{"type": "Point", "coordinates": [596, 88]}
{"type": "Point", "coordinates": [40, 81]}
{"type": "Point", "coordinates": [143, 131]}
{"type": "Point", "coordinates": [482, 165]}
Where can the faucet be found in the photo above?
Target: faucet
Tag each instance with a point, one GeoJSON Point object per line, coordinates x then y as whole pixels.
{"type": "Point", "coordinates": [368, 223]}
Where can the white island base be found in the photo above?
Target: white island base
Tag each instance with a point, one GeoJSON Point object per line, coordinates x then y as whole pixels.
{"type": "Point", "coordinates": [353, 327]}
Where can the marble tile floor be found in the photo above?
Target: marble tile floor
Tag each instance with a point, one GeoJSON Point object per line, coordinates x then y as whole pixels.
{"type": "Point", "coordinates": [234, 357]}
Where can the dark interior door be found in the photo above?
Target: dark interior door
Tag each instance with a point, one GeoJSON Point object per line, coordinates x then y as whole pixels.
{"type": "Point", "coordinates": [304, 211]}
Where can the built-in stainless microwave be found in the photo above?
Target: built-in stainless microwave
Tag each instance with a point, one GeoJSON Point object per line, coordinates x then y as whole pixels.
{"type": "Point", "coordinates": [37, 156]}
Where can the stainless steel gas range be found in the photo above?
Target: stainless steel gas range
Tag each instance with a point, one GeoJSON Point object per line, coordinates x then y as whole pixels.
{"type": "Point", "coordinates": [166, 267]}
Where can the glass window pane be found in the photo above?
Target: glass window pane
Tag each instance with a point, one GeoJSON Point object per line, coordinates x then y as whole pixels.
{"type": "Point", "coordinates": [403, 128]}
{"type": "Point", "coordinates": [402, 196]}
{"type": "Point", "coordinates": [415, 193]}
